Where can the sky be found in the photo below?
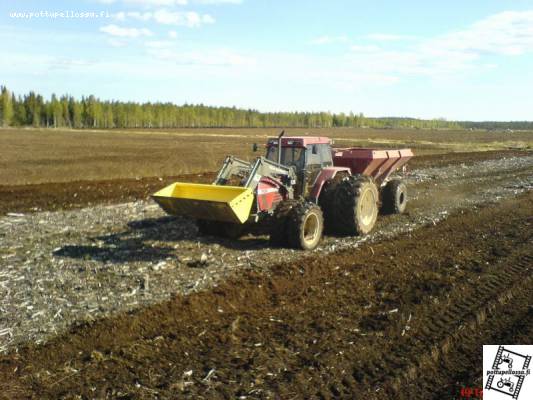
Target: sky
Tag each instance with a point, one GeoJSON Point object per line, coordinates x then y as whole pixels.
{"type": "Point", "coordinates": [459, 60]}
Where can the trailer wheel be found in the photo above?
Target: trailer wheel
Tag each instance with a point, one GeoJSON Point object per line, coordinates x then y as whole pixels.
{"type": "Point", "coordinates": [356, 206]}
{"type": "Point", "coordinates": [394, 197]}
{"type": "Point", "coordinates": [305, 225]}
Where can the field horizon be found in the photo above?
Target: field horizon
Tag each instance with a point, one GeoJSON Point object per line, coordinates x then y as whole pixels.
{"type": "Point", "coordinates": [39, 155]}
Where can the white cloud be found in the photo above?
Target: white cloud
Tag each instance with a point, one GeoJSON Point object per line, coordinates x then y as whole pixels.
{"type": "Point", "coordinates": [213, 57]}
{"type": "Point", "coordinates": [69, 63]}
{"type": "Point", "coordinates": [169, 3]}
{"type": "Point", "coordinates": [385, 37]}
{"type": "Point", "coordinates": [218, 1]}
{"type": "Point", "coordinates": [158, 44]}
{"type": "Point", "coordinates": [118, 31]}
{"type": "Point", "coordinates": [505, 34]}
{"type": "Point", "coordinates": [172, 34]}
{"type": "Point", "coordinates": [116, 42]}
{"type": "Point", "coordinates": [329, 39]}
{"type": "Point", "coordinates": [137, 15]}
{"type": "Point", "coordinates": [148, 3]}
{"type": "Point", "coordinates": [189, 19]}
{"type": "Point", "coordinates": [120, 16]}
{"type": "Point", "coordinates": [365, 48]}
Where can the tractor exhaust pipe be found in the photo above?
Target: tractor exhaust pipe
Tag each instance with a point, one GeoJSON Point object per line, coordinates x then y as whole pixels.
{"type": "Point", "coordinates": [279, 145]}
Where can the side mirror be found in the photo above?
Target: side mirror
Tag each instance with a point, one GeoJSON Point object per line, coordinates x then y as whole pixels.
{"type": "Point", "coordinates": [315, 149]}
{"type": "Point", "coordinates": [254, 147]}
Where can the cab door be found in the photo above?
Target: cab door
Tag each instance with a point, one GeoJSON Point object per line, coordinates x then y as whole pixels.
{"type": "Point", "coordinates": [313, 166]}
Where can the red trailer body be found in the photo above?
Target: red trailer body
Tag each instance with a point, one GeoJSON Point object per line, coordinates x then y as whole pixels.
{"type": "Point", "coordinates": [377, 163]}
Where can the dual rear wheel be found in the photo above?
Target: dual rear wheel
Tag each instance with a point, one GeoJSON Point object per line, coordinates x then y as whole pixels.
{"type": "Point", "coordinates": [351, 205]}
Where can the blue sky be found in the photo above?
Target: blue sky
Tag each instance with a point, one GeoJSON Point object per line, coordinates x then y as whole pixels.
{"type": "Point", "coordinates": [455, 59]}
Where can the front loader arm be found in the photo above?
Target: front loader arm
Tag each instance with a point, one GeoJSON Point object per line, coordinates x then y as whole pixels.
{"type": "Point", "coordinates": [263, 167]}
{"type": "Point", "coordinates": [232, 166]}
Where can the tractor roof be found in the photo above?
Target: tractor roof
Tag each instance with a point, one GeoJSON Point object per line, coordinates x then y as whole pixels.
{"type": "Point", "coordinates": [299, 141]}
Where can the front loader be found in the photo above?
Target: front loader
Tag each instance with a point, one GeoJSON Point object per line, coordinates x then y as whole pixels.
{"type": "Point", "coordinates": [299, 188]}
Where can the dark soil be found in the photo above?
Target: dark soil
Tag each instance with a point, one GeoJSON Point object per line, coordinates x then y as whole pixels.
{"type": "Point", "coordinates": [402, 319]}
{"type": "Point", "coordinates": [77, 194]}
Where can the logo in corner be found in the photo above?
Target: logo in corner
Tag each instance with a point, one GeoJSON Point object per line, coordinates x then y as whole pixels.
{"type": "Point", "coordinates": [506, 372]}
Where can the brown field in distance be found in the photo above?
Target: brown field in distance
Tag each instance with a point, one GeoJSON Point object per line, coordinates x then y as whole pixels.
{"type": "Point", "coordinates": [30, 156]}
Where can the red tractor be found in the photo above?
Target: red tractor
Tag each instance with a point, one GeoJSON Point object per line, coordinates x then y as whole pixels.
{"type": "Point", "coordinates": [299, 188]}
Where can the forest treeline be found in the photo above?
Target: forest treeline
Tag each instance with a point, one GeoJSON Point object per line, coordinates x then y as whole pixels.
{"type": "Point", "coordinates": [33, 109]}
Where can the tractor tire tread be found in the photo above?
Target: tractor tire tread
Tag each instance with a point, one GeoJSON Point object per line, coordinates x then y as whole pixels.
{"type": "Point", "coordinates": [346, 197]}
{"type": "Point", "coordinates": [295, 222]}
{"type": "Point", "coordinates": [278, 229]}
{"type": "Point", "coordinates": [391, 204]}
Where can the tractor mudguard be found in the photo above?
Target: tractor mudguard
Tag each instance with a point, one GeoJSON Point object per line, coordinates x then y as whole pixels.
{"type": "Point", "coordinates": [325, 175]}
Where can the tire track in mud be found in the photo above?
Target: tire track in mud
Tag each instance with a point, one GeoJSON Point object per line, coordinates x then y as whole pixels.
{"type": "Point", "coordinates": [462, 365]}
{"type": "Point", "coordinates": [399, 370]}
{"type": "Point", "coordinates": [449, 325]}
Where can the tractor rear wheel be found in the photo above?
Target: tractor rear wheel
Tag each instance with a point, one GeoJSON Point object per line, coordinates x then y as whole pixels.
{"type": "Point", "coordinates": [394, 197]}
{"type": "Point", "coordinates": [355, 206]}
{"type": "Point", "coordinates": [305, 225]}
{"type": "Point", "coordinates": [326, 201]}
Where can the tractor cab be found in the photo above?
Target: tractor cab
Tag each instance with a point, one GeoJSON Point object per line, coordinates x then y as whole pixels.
{"type": "Point", "coordinates": [301, 152]}
{"type": "Point", "coordinates": [307, 154]}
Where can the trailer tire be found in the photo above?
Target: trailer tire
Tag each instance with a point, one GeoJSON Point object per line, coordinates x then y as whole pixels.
{"type": "Point", "coordinates": [394, 197]}
{"type": "Point", "coordinates": [305, 225]}
{"type": "Point", "coordinates": [355, 206]}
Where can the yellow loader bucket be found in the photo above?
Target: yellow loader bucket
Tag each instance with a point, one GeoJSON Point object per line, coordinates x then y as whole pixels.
{"type": "Point", "coordinates": [213, 202]}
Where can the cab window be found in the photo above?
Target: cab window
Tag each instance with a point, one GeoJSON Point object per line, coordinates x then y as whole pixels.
{"type": "Point", "coordinates": [289, 155]}
{"type": "Point", "coordinates": [313, 156]}
{"type": "Point", "coordinates": [325, 155]}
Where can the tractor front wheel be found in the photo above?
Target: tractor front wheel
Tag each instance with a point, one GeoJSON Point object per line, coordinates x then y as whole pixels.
{"type": "Point", "coordinates": [278, 227]}
{"type": "Point", "coordinates": [305, 225]}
